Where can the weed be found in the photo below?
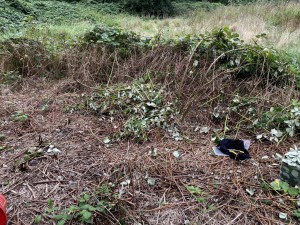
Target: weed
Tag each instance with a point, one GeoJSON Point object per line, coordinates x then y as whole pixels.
{"type": "Point", "coordinates": [83, 212]}
{"type": "Point", "coordinates": [197, 193]}
{"type": "Point", "coordinates": [20, 116]}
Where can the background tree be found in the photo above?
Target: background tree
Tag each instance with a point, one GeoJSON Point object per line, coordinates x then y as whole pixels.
{"type": "Point", "coordinates": [158, 8]}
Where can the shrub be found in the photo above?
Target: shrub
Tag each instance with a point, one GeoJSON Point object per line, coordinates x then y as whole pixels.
{"type": "Point", "coordinates": [115, 38]}
{"type": "Point", "coordinates": [158, 8]}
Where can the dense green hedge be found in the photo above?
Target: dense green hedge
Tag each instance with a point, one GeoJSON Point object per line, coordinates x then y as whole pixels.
{"type": "Point", "coordinates": [150, 7]}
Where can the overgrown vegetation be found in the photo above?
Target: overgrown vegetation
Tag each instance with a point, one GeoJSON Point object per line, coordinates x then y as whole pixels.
{"type": "Point", "coordinates": [127, 81]}
{"type": "Point", "coordinates": [222, 48]}
{"type": "Point", "coordinates": [143, 105]}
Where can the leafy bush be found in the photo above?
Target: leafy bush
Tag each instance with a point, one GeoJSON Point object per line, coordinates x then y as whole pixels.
{"type": "Point", "coordinates": [9, 77]}
{"type": "Point", "coordinates": [111, 36]}
{"type": "Point", "coordinates": [222, 45]}
{"type": "Point", "coordinates": [158, 8]}
{"type": "Point", "coordinates": [183, 7]}
{"type": "Point", "coordinates": [116, 38]}
{"type": "Point", "coordinates": [246, 60]}
{"type": "Point", "coordinates": [13, 13]}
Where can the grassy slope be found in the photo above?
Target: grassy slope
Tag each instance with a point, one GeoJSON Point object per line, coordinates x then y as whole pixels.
{"type": "Point", "coordinates": [280, 21]}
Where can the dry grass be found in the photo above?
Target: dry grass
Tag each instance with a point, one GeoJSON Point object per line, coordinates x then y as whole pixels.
{"type": "Point", "coordinates": [280, 21]}
{"type": "Point", "coordinates": [86, 163]}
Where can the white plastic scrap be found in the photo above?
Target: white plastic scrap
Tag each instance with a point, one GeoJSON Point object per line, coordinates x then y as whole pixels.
{"type": "Point", "coordinates": [151, 181]}
{"type": "Point", "coordinates": [53, 150]}
{"type": "Point", "coordinates": [283, 216]}
{"type": "Point", "coordinates": [176, 154]}
{"type": "Point", "coordinates": [204, 130]}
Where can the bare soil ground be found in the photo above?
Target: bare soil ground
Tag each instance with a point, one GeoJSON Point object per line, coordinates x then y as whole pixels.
{"type": "Point", "coordinates": [85, 163]}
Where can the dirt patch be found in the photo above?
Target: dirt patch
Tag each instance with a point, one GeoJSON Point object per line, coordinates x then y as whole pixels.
{"type": "Point", "coordinates": [85, 163]}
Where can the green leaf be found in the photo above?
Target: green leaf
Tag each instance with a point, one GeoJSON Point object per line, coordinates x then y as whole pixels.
{"type": "Point", "coordinates": [212, 207]}
{"type": "Point", "coordinates": [61, 222]}
{"type": "Point", "coordinates": [73, 208]}
{"type": "Point", "coordinates": [86, 215]}
{"type": "Point", "coordinates": [293, 191]}
{"type": "Point", "coordinates": [194, 190]}
{"type": "Point", "coordinates": [88, 207]}
{"type": "Point", "coordinates": [265, 186]}
{"type": "Point", "coordinates": [200, 199]}
{"type": "Point", "coordinates": [50, 203]}
{"type": "Point", "coordinates": [266, 201]}
{"type": "Point", "coordinates": [285, 186]}
{"type": "Point", "coordinates": [38, 219]}
{"type": "Point", "coordinates": [296, 213]}
{"type": "Point", "coordinates": [276, 185]}
{"type": "Point", "coordinates": [58, 217]}
{"type": "Point", "coordinates": [52, 209]}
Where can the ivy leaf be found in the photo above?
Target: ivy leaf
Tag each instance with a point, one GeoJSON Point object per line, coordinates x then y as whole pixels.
{"type": "Point", "coordinates": [61, 222]}
{"type": "Point", "coordinates": [285, 186]}
{"type": "Point", "coordinates": [58, 217]}
{"type": "Point", "coordinates": [296, 213]}
{"type": "Point", "coordinates": [276, 133]}
{"type": "Point", "coordinates": [293, 191]}
{"type": "Point", "coordinates": [276, 185]}
{"type": "Point", "coordinates": [86, 215]}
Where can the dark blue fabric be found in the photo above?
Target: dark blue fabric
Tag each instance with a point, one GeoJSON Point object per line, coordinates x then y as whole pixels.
{"type": "Point", "coordinates": [235, 149]}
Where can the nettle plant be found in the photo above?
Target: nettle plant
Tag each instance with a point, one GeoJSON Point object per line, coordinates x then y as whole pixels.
{"type": "Point", "coordinates": [142, 104]}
